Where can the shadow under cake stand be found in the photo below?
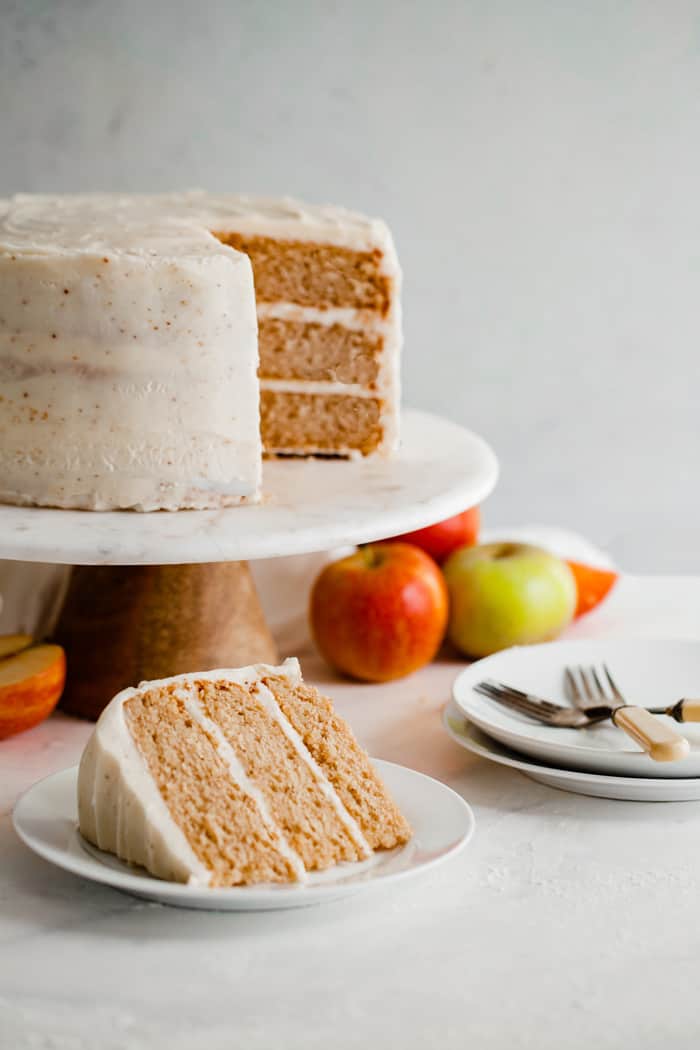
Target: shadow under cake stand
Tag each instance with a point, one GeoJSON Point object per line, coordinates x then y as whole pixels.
{"type": "Point", "coordinates": [168, 592]}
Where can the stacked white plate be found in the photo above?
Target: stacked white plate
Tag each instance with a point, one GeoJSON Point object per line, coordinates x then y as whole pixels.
{"type": "Point", "coordinates": [600, 760]}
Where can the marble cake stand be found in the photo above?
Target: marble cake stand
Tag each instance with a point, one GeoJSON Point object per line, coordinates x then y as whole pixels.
{"type": "Point", "coordinates": [164, 593]}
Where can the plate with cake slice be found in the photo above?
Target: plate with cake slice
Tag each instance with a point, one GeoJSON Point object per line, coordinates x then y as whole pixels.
{"type": "Point", "coordinates": [237, 789]}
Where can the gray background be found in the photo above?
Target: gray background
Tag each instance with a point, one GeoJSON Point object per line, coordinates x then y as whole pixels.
{"type": "Point", "coordinates": [538, 162]}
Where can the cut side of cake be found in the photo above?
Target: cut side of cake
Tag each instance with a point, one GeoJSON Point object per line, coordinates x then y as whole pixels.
{"type": "Point", "coordinates": [327, 285]}
{"type": "Point", "coordinates": [232, 777]}
{"type": "Point", "coordinates": [131, 369]}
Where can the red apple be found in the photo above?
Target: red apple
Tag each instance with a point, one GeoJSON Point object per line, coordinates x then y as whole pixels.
{"type": "Point", "coordinates": [380, 613]}
{"type": "Point", "coordinates": [440, 540]}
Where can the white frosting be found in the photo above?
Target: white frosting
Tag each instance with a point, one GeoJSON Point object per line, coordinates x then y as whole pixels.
{"type": "Point", "coordinates": [153, 224]}
{"type": "Point", "coordinates": [121, 809]}
{"type": "Point", "coordinates": [290, 219]}
{"type": "Point", "coordinates": [245, 676]}
{"type": "Point", "coordinates": [312, 386]}
{"type": "Point", "coordinates": [346, 316]}
{"type": "Point", "coordinates": [128, 352]}
{"type": "Point", "coordinates": [128, 360]}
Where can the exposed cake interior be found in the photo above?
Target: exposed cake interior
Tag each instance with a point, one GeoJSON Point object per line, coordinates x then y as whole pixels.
{"type": "Point", "coordinates": [331, 742]}
{"type": "Point", "coordinates": [310, 274]}
{"type": "Point", "coordinates": [219, 819]}
{"type": "Point", "coordinates": [231, 778]}
{"type": "Point", "coordinates": [316, 352]}
{"type": "Point", "coordinates": [329, 338]}
{"type": "Point", "coordinates": [329, 424]}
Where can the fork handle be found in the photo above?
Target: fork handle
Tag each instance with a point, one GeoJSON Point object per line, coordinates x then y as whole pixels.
{"type": "Point", "coordinates": [660, 741]}
{"type": "Point", "coordinates": [686, 710]}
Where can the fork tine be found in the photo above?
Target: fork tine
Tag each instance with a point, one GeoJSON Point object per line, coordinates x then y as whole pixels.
{"type": "Point", "coordinates": [518, 703]}
{"type": "Point", "coordinates": [601, 692]}
{"type": "Point", "coordinates": [616, 692]}
{"type": "Point", "coordinates": [502, 688]}
{"type": "Point", "coordinates": [528, 707]}
{"type": "Point", "coordinates": [572, 687]}
{"type": "Point", "coordinates": [493, 684]}
{"type": "Point", "coordinates": [587, 688]}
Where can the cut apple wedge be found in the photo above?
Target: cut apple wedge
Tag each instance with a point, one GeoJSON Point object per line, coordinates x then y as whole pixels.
{"type": "Point", "coordinates": [14, 643]}
{"type": "Point", "coordinates": [31, 683]}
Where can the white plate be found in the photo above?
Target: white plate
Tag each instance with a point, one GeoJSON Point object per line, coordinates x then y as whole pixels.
{"type": "Point", "coordinates": [45, 818]}
{"type": "Point", "coordinates": [649, 673]}
{"type": "Point", "coordinates": [628, 789]}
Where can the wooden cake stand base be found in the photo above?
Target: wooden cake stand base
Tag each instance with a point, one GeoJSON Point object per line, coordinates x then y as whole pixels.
{"type": "Point", "coordinates": [122, 625]}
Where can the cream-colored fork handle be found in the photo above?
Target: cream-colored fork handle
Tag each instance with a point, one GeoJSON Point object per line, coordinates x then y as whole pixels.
{"type": "Point", "coordinates": [660, 741]}
{"type": "Point", "coordinates": [691, 710]}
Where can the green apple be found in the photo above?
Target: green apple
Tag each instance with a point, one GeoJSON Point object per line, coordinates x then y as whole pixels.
{"type": "Point", "coordinates": [504, 594]}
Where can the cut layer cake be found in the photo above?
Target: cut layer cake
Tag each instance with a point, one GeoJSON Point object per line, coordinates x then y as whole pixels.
{"type": "Point", "coordinates": [130, 367]}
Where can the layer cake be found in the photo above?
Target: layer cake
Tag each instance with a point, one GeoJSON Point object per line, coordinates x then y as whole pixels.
{"type": "Point", "coordinates": [130, 370]}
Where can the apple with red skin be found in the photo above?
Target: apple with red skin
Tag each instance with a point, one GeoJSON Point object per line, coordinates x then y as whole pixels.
{"type": "Point", "coordinates": [380, 613]}
{"type": "Point", "coordinates": [440, 540]}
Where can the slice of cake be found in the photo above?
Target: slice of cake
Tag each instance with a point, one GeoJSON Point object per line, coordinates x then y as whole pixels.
{"type": "Point", "coordinates": [232, 777]}
{"type": "Point", "coordinates": [129, 349]}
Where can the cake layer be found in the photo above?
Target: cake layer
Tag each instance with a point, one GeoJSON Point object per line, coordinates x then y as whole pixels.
{"type": "Point", "coordinates": [307, 350]}
{"type": "Point", "coordinates": [320, 423]}
{"type": "Point", "coordinates": [312, 274]}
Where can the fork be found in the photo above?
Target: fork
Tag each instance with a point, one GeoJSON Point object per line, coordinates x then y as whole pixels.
{"type": "Point", "coordinates": [541, 710]}
{"type": "Point", "coordinates": [661, 742]}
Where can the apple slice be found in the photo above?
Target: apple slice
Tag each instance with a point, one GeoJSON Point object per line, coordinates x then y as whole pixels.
{"type": "Point", "coordinates": [14, 643]}
{"type": "Point", "coordinates": [31, 683]}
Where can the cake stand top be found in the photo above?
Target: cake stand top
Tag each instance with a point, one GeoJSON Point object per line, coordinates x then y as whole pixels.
{"type": "Point", "coordinates": [309, 505]}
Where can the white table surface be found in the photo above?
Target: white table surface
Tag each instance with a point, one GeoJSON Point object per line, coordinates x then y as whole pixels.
{"type": "Point", "coordinates": [569, 922]}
